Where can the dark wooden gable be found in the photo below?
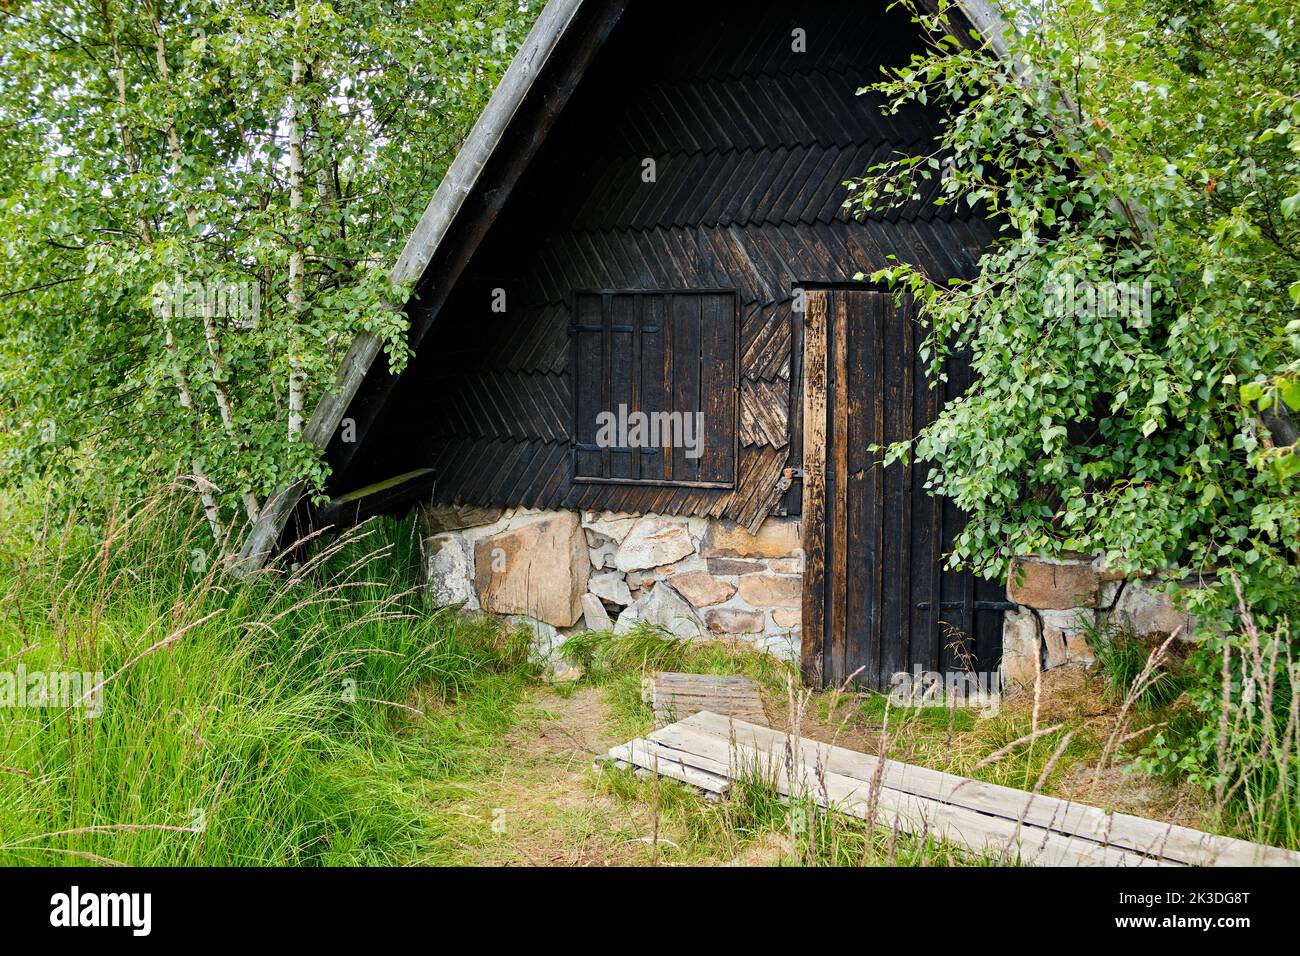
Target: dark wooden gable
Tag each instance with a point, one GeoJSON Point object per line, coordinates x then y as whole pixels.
{"type": "Point", "coordinates": [751, 143]}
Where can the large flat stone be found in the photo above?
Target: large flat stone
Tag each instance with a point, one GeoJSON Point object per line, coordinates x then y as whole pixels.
{"type": "Point", "coordinates": [538, 569]}
{"type": "Point", "coordinates": [1048, 584]}
{"type": "Point", "coordinates": [654, 541]}
{"type": "Point", "coordinates": [701, 588]}
{"type": "Point", "coordinates": [777, 537]}
{"type": "Point", "coordinates": [772, 590]}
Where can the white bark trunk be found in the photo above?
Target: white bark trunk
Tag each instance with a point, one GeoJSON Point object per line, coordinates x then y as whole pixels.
{"type": "Point", "coordinates": [210, 509]}
{"type": "Point", "coordinates": [297, 260]}
{"type": "Point", "coordinates": [211, 334]}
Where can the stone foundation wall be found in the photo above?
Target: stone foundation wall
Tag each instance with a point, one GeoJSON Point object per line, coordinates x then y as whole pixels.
{"type": "Point", "coordinates": [564, 571]}
{"type": "Point", "coordinates": [561, 572]}
{"type": "Point", "coordinates": [1062, 600]}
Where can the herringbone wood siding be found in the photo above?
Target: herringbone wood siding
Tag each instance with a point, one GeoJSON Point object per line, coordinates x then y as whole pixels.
{"type": "Point", "coordinates": [751, 143]}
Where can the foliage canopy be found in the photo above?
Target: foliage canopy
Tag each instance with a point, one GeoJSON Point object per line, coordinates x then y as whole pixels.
{"type": "Point", "coordinates": [199, 206]}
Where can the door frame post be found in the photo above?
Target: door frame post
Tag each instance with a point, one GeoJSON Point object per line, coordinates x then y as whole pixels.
{"type": "Point", "coordinates": [813, 618]}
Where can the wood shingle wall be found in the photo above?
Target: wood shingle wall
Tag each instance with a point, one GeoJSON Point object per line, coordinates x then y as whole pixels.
{"type": "Point", "coordinates": [751, 143]}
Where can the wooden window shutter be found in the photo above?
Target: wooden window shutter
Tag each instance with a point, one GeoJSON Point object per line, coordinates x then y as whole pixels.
{"type": "Point", "coordinates": [655, 387]}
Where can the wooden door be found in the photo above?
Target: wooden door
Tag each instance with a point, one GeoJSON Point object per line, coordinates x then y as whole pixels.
{"type": "Point", "coordinates": [876, 594]}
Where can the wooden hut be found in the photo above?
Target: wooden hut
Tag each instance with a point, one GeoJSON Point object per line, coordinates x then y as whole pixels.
{"type": "Point", "coordinates": [647, 227]}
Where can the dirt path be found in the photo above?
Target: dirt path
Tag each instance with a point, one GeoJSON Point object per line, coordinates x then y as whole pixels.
{"type": "Point", "coordinates": [543, 806]}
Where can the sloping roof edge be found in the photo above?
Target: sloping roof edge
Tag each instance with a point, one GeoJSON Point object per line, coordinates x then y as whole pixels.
{"type": "Point", "coordinates": [462, 176]}
{"type": "Point", "coordinates": [554, 22]}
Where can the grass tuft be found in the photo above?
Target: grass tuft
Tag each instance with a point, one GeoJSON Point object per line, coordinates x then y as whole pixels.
{"type": "Point", "coordinates": [292, 717]}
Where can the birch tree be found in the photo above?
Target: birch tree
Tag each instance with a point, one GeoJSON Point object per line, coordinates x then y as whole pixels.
{"type": "Point", "coordinates": [199, 206]}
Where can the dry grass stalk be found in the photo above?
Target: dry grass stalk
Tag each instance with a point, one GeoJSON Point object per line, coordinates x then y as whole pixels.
{"type": "Point", "coordinates": [1253, 758]}
{"type": "Point", "coordinates": [1038, 685]}
{"type": "Point", "coordinates": [952, 718]}
{"type": "Point", "coordinates": [1144, 680]}
{"type": "Point", "coordinates": [1051, 765]}
{"type": "Point", "coordinates": [1003, 752]}
{"type": "Point", "coordinates": [654, 786]}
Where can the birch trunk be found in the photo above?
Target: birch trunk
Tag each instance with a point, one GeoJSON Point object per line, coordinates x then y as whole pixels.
{"type": "Point", "coordinates": [204, 484]}
{"type": "Point", "coordinates": [297, 260]}
{"type": "Point", "coordinates": [211, 333]}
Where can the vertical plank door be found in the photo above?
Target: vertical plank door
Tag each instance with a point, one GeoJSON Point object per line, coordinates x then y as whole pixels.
{"type": "Point", "coordinates": [878, 598]}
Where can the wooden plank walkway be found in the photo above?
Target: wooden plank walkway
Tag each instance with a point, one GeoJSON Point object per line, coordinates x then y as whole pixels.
{"type": "Point", "coordinates": [675, 696]}
{"type": "Point", "coordinates": [707, 750]}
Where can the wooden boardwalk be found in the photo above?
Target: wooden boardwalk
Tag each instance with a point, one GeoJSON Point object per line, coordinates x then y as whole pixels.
{"type": "Point", "coordinates": [707, 750]}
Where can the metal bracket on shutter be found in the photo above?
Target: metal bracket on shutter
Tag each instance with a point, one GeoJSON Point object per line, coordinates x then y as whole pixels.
{"type": "Point", "coordinates": [793, 474]}
{"type": "Point", "coordinates": [979, 605]}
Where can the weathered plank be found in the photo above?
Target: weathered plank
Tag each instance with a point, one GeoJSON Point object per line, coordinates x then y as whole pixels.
{"type": "Point", "coordinates": [982, 833]}
{"type": "Point", "coordinates": [837, 506]}
{"type": "Point", "coordinates": [689, 768]}
{"type": "Point", "coordinates": [764, 407]}
{"type": "Point", "coordinates": [675, 696]}
{"type": "Point", "coordinates": [1164, 840]}
{"type": "Point", "coordinates": [814, 488]}
{"type": "Point", "coordinates": [356, 506]}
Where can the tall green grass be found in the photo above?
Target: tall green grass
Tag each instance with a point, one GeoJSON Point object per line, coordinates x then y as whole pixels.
{"type": "Point", "coordinates": [292, 717]}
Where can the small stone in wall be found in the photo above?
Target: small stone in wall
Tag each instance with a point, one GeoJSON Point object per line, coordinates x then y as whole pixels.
{"type": "Point", "coordinates": [439, 519]}
{"type": "Point", "coordinates": [735, 566]}
{"type": "Point", "coordinates": [692, 562]}
{"type": "Point", "coordinates": [1063, 634]}
{"type": "Point", "coordinates": [1150, 613]}
{"type": "Point", "coordinates": [652, 542]}
{"type": "Point", "coordinates": [701, 588]}
{"type": "Point", "coordinates": [447, 575]}
{"type": "Point", "coordinates": [663, 607]}
{"type": "Point", "coordinates": [772, 590]}
{"type": "Point", "coordinates": [786, 617]}
{"type": "Point", "coordinates": [730, 620]}
{"type": "Point", "coordinates": [783, 645]}
{"type": "Point", "coordinates": [546, 639]}
{"type": "Point", "coordinates": [594, 615]}
{"type": "Point", "coordinates": [1077, 648]}
{"type": "Point", "coordinates": [1054, 639]}
{"type": "Point", "coordinates": [608, 524]}
{"type": "Point", "coordinates": [777, 537]}
{"type": "Point", "coordinates": [1021, 649]}
{"type": "Point", "coordinates": [611, 587]}
{"type": "Point", "coordinates": [602, 551]}
{"type": "Point", "coordinates": [785, 565]}
{"type": "Point", "coordinates": [638, 580]}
